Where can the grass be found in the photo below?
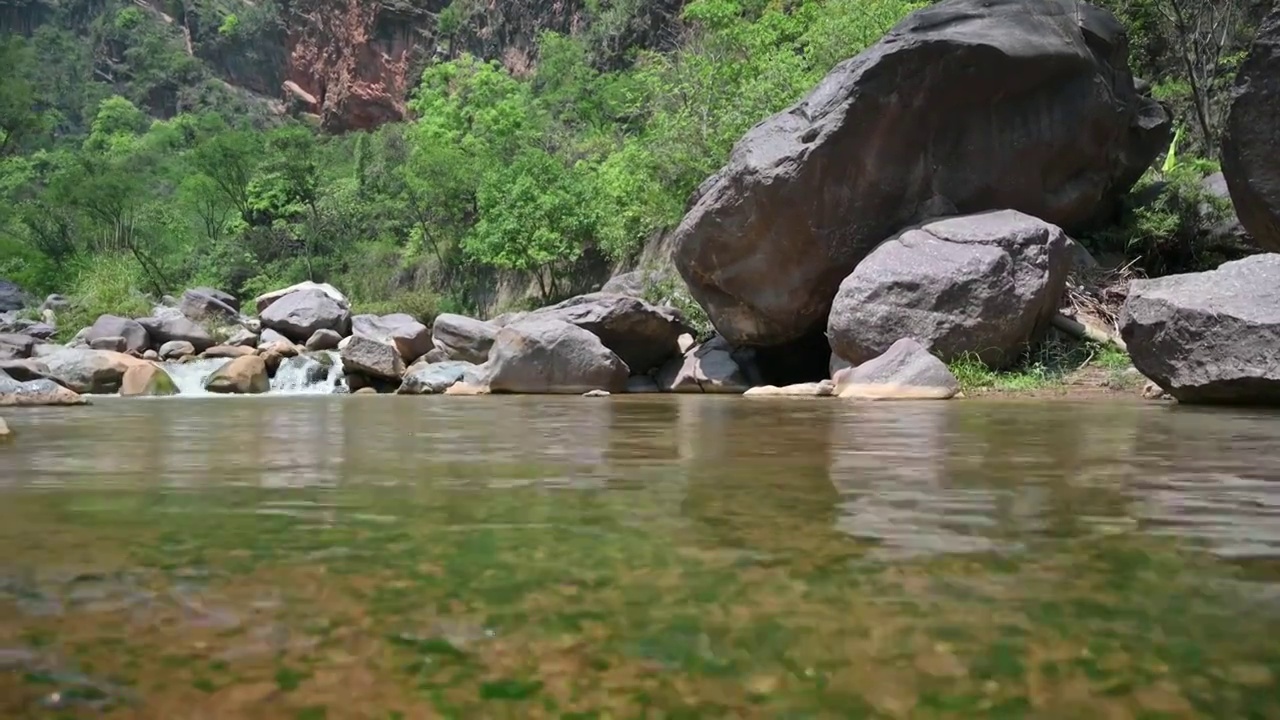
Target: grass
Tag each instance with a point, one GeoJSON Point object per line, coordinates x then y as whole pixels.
{"type": "Point", "coordinates": [1051, 365]}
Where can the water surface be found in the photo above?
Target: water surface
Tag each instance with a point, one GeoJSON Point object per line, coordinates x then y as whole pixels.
{"type": "Point", "coordinates": [389, 557]}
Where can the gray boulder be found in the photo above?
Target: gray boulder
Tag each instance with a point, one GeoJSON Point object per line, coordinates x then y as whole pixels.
{"type": "Point", "coordinates": [33, 393]}
{"type": "Point", "coordinates": [262, 302]}
{"type": "Point", "coordinates": [463, 338]}
{"type": "Point", "coordinates": [323, 339]}
{"type": "Point", "coordinates": [1210, 337]}
{"type": "Point", "coordinates": [209, 304]}
{"type": "Point", "coordinates": [242, 376]}
{"type": "Point", "coordinates": [113, 343]}
{"type": "Point", "coordinates": [300, 314]}
{"type": "Point", "coordinates": [411, 338]}
{"type": "Point", "coordinates": [176, 350]}
{"type": "Point", "coordinates": [11, 296]}
{"type": "Point", "coordinates": [906, 371]}
{"type": "Point", "coordinates": [88, 371]}
{"type": "Point", "coordinates": [1251, 138]}
{"type": "Point", "coordinates": [371, 358]}
{"type": "Point", "coordinates": [243, 336]}
{"type": "Point", "coordinates": [24, 370]}
{"type": "Point", "coordinates": [270, 337]}
{"type": "Point", "coordinates": [136, 338]}
{"type": "Point", "coordinates": [167, 325]}
{"type": "Point", "coordinates": [546, 355]}
{"type": "Point", "coordinates": [40, 330]}
{"type": "Point", "coordinates": [965, 106]}
{"type": "Point", "coordinates": [985, 284]}
{"type": "Point", "coordinates": [643, 335]}
{"type": "Point", "coordinates": [435, 378]}
{"type": "Point", "coordinates": [14, 346]}
{"type": "Point", "coordinates": [707, 368]}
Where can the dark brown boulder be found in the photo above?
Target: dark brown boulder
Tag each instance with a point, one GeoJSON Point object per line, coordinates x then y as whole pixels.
{"type": "Point", "coordinates": [1251, 141]}
{"type": "Point", "coordinates": [965, 106]}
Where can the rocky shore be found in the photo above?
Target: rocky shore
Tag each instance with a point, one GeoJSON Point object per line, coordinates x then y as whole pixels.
{"type": "Point", "coordinates": [918, 207]}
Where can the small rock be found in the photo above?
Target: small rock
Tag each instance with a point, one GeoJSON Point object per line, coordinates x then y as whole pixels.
{"type": "Point", "coordinates": [243, 336]}
{"type": "Point", "coordinates": [435, 378]}
{"type": "Point", "coordinates": [365, 391]}
{"type": "Point", "coordinates": [464, 388]}
{"type": "Point", "coordinates": [133, 334]}
{"type": "Point", "coordinates": [906, 371]}
{"type": "Point", "coordinates": [114, 343]}
{"type": "Point", "coordinates": [209, 304]}
{"type": "Point", "coordinates": [822, 388]}
{"type": "Point", "coordinates": [836, 364]}
{"type": "Point", "coordinates": [176, 350]}
{"type": "Point", "coordinates": [15, 346]}
{"type": "Point", "coordinates": [323, 339]}
{"type": "Point", "coordinates": [151, 355]}
{"type": "Point", "coordinates": [228, 351]}
{"type": "Point", "coordinates": [1152, 391]}
{"type": "Point", "coordinates": [686, 342]}
{"type": "Point", "coordinates": [244, 375]}
{"type": "Point", "coordinates": [596, 393]}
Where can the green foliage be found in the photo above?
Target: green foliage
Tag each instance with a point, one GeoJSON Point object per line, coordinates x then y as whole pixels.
{"type": "Point", "coordinates": [103, 284]}
{"type": "Point", "coordinates": [230, 24]}
{"type": "Point", "coordinates": [1048, 365]}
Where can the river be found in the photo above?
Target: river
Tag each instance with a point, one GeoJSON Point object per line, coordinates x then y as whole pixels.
{"type": "Point", "coordinates": [657, 557]}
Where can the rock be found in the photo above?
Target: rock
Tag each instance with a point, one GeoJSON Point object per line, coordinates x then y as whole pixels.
{"type": "Point", "coordinates": [411, 338]}
{"type": "Point", "coordinates": [596, 394]}
{"type": "Point", "coordinates": [434, 355]}
{"type": "Point", "coordinates": [1152, 391]}
{"type": "Point", "coordinates": [228, 351]}
{"type": "Point", "coordinates": [1251, 138]}
{"type": "Point", "coordinates": [26, 370]}
{"type": "Point", "coordinates": [4, 430]}
{"type": "Point", "coordinates": [176, 350]}
{"type": "Point", "coordinates": [642, 385]}
{"type": "Point", "coordinates": [244, 376]}
{"type": "Point", "coordinates": [11, 296]}
{"type": "Point", "coordinates": [245, 337]}
{"type": "Point", "coordinates": [283, 348]}
{"type": "Point", "coordinates": [965, 106]}
{"type": "Point", "coordinates": [708, 368]}
{"type": "Point", "coordinates": [309, 368]}
{"type": "Point", "coordinates": [55, 302]}
{"type": "Point", "coordinates": [41, 330]}
{"type": "Point", "coordinates": [14, 346]}
{"type": "Point", "coordinates": [300, 314]}
{"type": "Point", "coordinates": [906, 371]}
{"type": "Point", "coordinates": [463, 338]}
{"type": "Point", "coordinates": [686, 342]}
{"type": "Point", "coordinates": [345, 342]}
{"type": "Point", "coordinates": [113, 343]}
{"type": "Point", "coordinates": [323, 339]}
{"type": "Point", "coordinates": [365, 391]}
{"type": "Point", "coordinates": [147, 381]}
{"type": "Point", "coordinates": [643, 335]}
{"type": "Point", "coordinates": [822, 388]}
{"type": "Point", "coordinates": [209, 304]}
{"type": "Point", "coordinates": [262, 302]}
{"type": "Point", "coordinates": [167, 325]}
{"type": "Point", "coordinates": [505, 319]}
{"type": "Point", "coordinates": [546, 355]}
{"type": "Point", "coordinates": [631, 283]}
{"type": "Point", "coordinates": [150, 355]}
{"type": "Point", "coordinates": [135, 336]}
{"type": "Point", "coordinates": [272, 360]}
{"type": "Point", "coordinates": [1210, 337]}
{"type": "Point", "coordinates": [986, 284]}
{"type": "Point", "coordinates": [270, 337]}
{"type": "Point", "coordinates": [467, 389]}
{"type": "Point", "coordinates": [33, 393]}
{"type": "Point", "coordinates": [370, 357]}
{"type": "Point", "coordinates": [836, 364]}
{"type": "Point", "coordinates": [435, 378]}
{"type": "Point", "coordinates": [94, 372]}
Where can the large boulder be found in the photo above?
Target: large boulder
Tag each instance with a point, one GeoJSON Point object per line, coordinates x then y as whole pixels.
{"type": "Point", "coordinates": [965, 106]}
{"type": "Point", "coordinates": [1251, 139]}
{"type": "Point", "coordinates": [24, 370]}
{"type": "Point", "coordinates": [11, 296]}
{"type": "Point", "coordinates": [706, 368]}
{"type": "Point", "coordinates": [643, 335]}
{"type": "Point", "coordinates": [262, 302]}
{"type": "Point", "coordinates": [372, 358]}
{"type": "Point", "coordinates": [985, 284]}
{"type": "Point", "coordinates": [35, 392]}
{"type": "Point", "coordinates": [243, 376]}
{"type": "Point", "coordinates": [1210, 337]}
{"type": "Point", "coordinates": [411, 338]}
{"type": "Point", "coordinates": [299, 314]}
{"type": "Point", "coordinates": [906, 371]}
{"type": "Point", "coordinates": [136, 337]}
{"type": "Point", "coordinates": [209, 304]}
{"type": "Point", "coordinates": [15, 346]}
{"type": "Point", "coordinates": [546, 355]}
{"type": "Point", "coordinates": [463, 338]}
{"type": "Point", "coordinates": [176, 350]}
{"type": "Point", "coordinates": [169, 325]}
{"type": "Point", "coordinates": [95, 372]}
{"type": "Point", "coordinates": [147, 381]}
{"type": "Point", "coordinates": [435, 378]}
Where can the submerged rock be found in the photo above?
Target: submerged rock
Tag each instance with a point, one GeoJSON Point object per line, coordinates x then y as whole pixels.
{"type": "Point", "coordinates": [986, 284]}
{"type": "Point", "coordinates": [147, 381]}
{"type": "Point", "coordinates": [965, 106]}
{"type": "Point", "coordinates": [300, 314]}
{"type": "Point", "coordinates": [1251, 138]}
{"type": "Point", "coordinates": [245, 376]}
{"type": "Point", "coordinates": [1209, 337]}
{"type": "Point", "coordinates": [546, 355]}
{"type": "Point", "coordinates": [906, 371]}
{"type": "Point", "coordinates": [643, 335]}
{"type": "Point", "coordinates": [459, 337]}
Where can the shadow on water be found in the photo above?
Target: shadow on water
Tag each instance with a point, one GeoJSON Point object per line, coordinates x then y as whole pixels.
{"type": "Point", "coordinates": [638, 557]}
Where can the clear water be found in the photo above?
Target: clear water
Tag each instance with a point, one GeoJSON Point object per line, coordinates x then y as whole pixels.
{"type": "Point", "coordinates": [522, 557]}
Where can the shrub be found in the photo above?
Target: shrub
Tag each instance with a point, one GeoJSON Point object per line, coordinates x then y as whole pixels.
{"type": "Point", "coordinates": [104, 285]}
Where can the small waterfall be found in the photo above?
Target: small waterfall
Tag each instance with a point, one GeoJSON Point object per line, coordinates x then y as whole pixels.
{"type": "Point", "coordinates": [191, 376]}
{"type": "Point", "coordinates": [310, 374]}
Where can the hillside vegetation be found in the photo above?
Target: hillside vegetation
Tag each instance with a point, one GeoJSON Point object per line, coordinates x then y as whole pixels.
{"type": "Point", "coordinates": [128, 166]}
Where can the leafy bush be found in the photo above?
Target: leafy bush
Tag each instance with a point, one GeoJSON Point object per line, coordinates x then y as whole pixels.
{"type": "Point", "coordinates": [104, 285]}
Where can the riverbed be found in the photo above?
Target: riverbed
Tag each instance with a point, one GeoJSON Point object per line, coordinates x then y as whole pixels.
{"type": "Point", "coordinates": [527, 557]}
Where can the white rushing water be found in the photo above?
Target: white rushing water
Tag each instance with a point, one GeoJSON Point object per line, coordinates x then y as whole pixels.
{"type": "Point", "coordinates": [310, 374]}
